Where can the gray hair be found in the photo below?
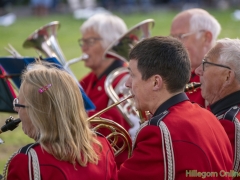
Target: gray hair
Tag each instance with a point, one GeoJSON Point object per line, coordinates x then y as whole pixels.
{"type": "Point", "coordinates": [202, 20]}
{"type": "Point", "coordinates": [230, 54]}
{"type": "Point", "coordinates": [109, 27]}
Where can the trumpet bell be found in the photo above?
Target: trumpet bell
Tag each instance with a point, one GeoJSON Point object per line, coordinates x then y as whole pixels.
{"type": "Point", "coordinates": [121, 47]}
{"type": "Point", "coordinates": [44, 39]}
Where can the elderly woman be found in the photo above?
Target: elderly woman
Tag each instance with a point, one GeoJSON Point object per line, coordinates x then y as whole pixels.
{"type": "Point", "coordinates": [98, 33]}
{"type": "Point", "coordinates": [51, 109]}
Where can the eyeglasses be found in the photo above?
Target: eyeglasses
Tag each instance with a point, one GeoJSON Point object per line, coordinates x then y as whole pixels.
{"type": "Point", "coordinates": [16, 105]}
{"type": "Point", "coordinates": [182, 36]}
{"type": "Point", "coordinates": [214, 64]}
{"type": "Point", "coordinates": [88, 42]}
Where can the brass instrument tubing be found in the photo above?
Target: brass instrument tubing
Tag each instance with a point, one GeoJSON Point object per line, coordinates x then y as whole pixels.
{"type": "Point", "coordinates": [109, 107]}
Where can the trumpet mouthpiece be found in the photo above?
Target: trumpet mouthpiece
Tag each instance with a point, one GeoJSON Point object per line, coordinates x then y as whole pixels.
{"type": "Point", "coordinates": [85, 56]}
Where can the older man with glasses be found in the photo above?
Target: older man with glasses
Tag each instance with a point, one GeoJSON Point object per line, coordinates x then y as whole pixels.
{"type": "Point", "coordinates": [220, 84]}
{"type": "Point", "coordinates": [198, 31]}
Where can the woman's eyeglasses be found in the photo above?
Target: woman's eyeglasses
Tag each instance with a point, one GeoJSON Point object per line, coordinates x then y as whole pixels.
{"type": "Point", "coordinates": [16, 105]}
{"type": "Point", "coordinates": [88, 41]}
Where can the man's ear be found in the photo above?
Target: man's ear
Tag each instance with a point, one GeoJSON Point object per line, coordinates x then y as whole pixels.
{"type": "Point", "coordinates": [157, 82]}
{"type": "Point", "coordinates": [230, 77]}
{"type": "Point", "coordinates": [208, 37]}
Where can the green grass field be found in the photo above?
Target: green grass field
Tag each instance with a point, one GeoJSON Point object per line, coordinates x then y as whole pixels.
{"type": "Point", "coordinates": [67, 37]}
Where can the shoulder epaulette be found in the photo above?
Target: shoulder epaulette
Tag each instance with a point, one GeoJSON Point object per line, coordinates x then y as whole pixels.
{"type": "Point", "coordinates": [231, 116]}
{"type": "Point", "coordinates": [157, 119]}
{"type": "Point", "coordinates": [26, 148]}
{"type": "Point", "coordinates": [231, 113]}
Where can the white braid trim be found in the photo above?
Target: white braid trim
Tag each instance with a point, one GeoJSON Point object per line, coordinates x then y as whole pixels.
{"type": "Point", "coordinates": [237, 145]}
{"type": "Point", "coordinates": [32, 161]}
{"type": "Point", "coordinates": [164, 155]}
{"type": "Point", "coordinates": [169, 151]}
{"type": "Point", "coordinates": [7, 164]}
{"type": "Point", "coordinates": [29, 166]}
{"type": "Point", "coordinates": [35, 164]}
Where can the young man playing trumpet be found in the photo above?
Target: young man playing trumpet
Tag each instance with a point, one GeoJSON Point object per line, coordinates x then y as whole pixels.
{"type": "Point", "coordinates": [181, 138]}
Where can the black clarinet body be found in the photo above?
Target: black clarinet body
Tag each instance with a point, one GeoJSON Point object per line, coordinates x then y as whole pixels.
{"type": "Point", "coordinates": [10, 124]}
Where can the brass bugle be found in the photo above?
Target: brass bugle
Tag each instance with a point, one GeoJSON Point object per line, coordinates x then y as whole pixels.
{"type": "Point", "coordinates": [10, 124]}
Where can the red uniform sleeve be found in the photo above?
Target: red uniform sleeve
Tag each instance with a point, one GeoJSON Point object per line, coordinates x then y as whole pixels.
{"type": "Point", "coordinates": [147, 158]}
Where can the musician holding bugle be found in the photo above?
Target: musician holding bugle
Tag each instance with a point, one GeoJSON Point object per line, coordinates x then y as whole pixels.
{"type": "Point", "coordinates": [52, 112]}
{"type": "Point", "coordinates": [220, 78]}
{"type": "Point", "coordinates": [197, 30]}
{"type": "Point", "coordinates": [182, 138]}
{"type": "Point", "coordinates": [98, 33]}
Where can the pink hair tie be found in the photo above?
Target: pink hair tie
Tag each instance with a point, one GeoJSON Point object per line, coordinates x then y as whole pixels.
{"type": "Point", "coordinates": [44, 88]}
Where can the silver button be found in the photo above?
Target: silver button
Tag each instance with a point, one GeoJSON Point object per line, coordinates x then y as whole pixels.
{"type": "Point", "coordinates": [99, 88]}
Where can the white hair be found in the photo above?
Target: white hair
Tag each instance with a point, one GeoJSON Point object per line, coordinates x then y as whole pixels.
{"type": "Point", "coordinates": [202, 20]}
{"type": "Point", "coordinates": [230, 54]}
{"type": "Point", "coordinates": [109, 27]}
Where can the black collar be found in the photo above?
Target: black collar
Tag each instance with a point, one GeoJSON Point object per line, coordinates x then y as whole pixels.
{"type": "Point", "coordinates": [116, 64]}
{"type": "Point", "coordinates": [225, 103]}
{"type": "Point", "coordinates": [170, 102]}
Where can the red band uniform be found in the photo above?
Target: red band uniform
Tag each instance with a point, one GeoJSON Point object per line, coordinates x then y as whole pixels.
{"type": "Point", "coordinates": [94, 88]}
{"type": "Point", "coordinates": [191, 143]}
{"type": "Point", "coordinates": [227, 111]}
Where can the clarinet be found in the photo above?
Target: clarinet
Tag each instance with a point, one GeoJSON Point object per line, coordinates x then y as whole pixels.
{"type": "Point", "coordinates": [10, 124]}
